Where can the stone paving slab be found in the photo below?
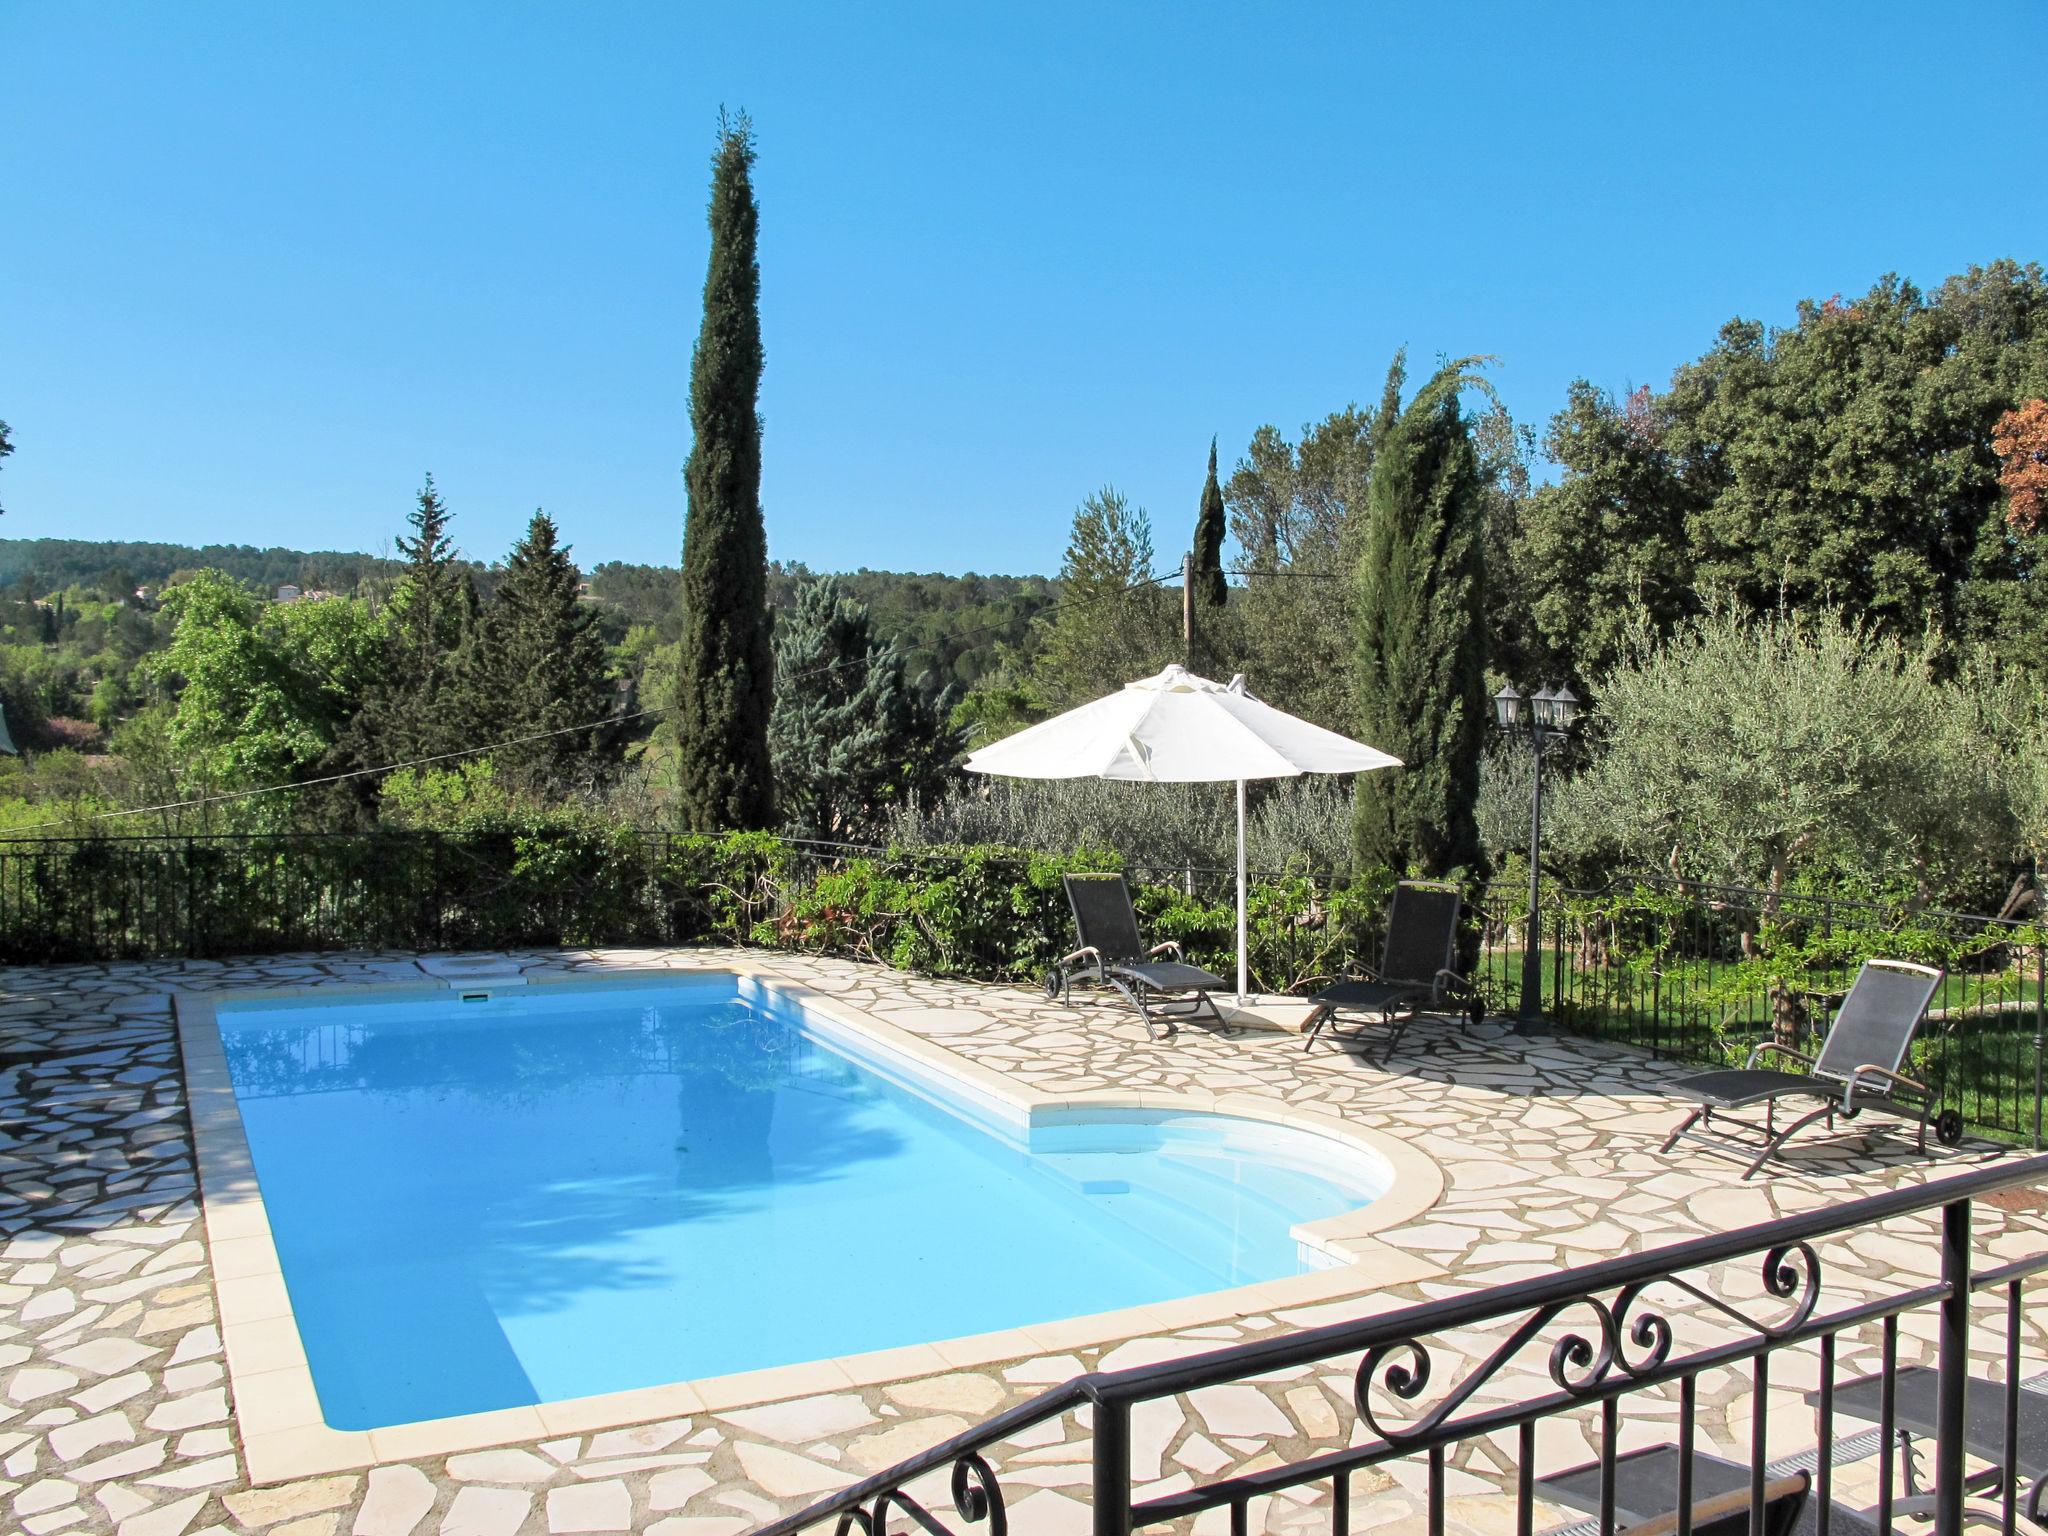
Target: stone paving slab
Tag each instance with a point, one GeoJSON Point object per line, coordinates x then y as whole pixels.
{"type": "Point", "coordinates": [114, 1406]}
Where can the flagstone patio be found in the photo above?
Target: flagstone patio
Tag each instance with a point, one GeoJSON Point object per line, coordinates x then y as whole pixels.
{"type": "Point", "coordinates": [115, 1411]}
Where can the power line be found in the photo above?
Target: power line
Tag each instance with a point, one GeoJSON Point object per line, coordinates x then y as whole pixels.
{"type": "Point", "coordinates": [517, 741]}
{"type": "Point", "coordinates": [353, 773]}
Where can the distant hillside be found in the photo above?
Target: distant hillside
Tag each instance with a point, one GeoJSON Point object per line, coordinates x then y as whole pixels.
{"type": "Point", "coordinates": [53, 564]}
{"type": "Point", "coordinates": [957, 628]}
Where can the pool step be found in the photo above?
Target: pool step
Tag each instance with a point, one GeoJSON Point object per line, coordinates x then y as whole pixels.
{"type": "Point", "coordinates": [474, 975]}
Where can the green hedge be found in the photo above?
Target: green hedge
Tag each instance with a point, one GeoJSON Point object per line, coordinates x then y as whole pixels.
{"type": "Point", "coordinates": [986, 912]}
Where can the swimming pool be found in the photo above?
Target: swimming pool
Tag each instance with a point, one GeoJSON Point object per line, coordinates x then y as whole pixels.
{"type": "Point", "coordinates": [580, 1189]}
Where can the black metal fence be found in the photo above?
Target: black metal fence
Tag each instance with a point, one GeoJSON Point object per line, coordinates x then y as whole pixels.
{"type": "Point", "coordinates": [1692, 970]}
{"type": "Point", "coordinates": [1687, 970]}
{"type": "Point", "coordinates": [1601, 1345]}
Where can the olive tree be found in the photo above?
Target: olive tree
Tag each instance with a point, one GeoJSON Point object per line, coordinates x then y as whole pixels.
{"type": "Point", "coordinates": [1768, 750]}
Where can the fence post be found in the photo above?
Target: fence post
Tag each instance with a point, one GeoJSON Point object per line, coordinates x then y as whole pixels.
{"type": "Point", "coordinates": [1558, 1003]}
{"type": "Point", "coordinates": [192, 944]}
{"type": "Point", "coordinates": [1112, 1441]}
{"type": "Point", "coordinates": [1953, 1370]}
{"type": "Point", "coordinates": [2040, 1026]}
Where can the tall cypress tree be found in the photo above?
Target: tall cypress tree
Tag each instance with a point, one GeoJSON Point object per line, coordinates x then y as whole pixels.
{"type": "Point", "coordinates": [725, 677]}
{"type": "Point", "coordinates": [1210, 586]}
{"type": "Point", "coordinates": [541, 666]}
{"type": "Point", "coordinates": [1421, 633]}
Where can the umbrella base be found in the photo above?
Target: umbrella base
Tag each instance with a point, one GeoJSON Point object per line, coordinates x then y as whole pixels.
{"type": "Point", "coordinates": [1281, 1014]}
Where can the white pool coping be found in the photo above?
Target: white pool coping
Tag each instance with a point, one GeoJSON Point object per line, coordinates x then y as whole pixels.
{"type": "Point", "coordinates": [284, 1435]}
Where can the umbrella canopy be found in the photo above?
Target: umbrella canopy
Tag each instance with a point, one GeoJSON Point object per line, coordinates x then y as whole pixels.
{"type": "Point", "coordinates": [1177, 728]}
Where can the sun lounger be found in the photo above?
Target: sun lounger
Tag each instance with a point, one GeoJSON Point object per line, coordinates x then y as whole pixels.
{"type": "Point", "coordinates": [1858, 1068]}
{"type": "Point", "coordinates": [1113, 953]}
{"type": "Point", "coordinates": [1417, 971]}
{"type": "Point", "coordinates": [1913, 1413]}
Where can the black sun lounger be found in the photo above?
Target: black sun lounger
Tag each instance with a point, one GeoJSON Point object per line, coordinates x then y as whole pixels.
{"type": "Point", "coordinates": [1858, 1068]}
{"type": "Point", "coordinates": [1646, 1497]}
{"type": "Point", "coordinates": [1418, 966]}
{"type": "Point", "coordinates": [1113, 953]}
{"type": "Point", "coordinates": [1913, 1413]}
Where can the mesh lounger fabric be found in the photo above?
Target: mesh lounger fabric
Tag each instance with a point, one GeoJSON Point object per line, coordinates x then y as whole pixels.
{"type": "Point", "coordinates": [1754, 1085]}
{"type": "Point", "coordinates": [1172, 976]}
{"type": "Point", "coordinates": [1983, 1413]}
{"type": "Point", "coordinates": [1646, 1489]}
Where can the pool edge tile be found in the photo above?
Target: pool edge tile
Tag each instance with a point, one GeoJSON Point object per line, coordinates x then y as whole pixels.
{"type": "Point", "coordinates": [617, 1410]}
{"type": "Point", "coordinates": [245, 1256]}
{"type": "Point", "coordinates": [463, 1432]}
{"type": "Point", "coordinates": [284, 1455]}
{"type": "Point", "coordinates": [906, 1362]}
{"type": "Point", "coordinates": [770, 1384]}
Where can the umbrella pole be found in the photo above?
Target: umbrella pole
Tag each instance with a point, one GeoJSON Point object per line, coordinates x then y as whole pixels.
{"type": "Point", "coordinates": [1241, 961]}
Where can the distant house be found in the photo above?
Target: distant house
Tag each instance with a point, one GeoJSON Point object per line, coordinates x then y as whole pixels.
{"type": "Point", "coordinates": [288, 593]}
{"type": "Point", "coordinates": [145, 595]}
{"type": "Point", "coordinates": [583, 593]}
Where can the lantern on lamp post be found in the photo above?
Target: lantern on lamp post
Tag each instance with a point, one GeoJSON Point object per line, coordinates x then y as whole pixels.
{"type": "Point", "coordinates": [1545, 718]}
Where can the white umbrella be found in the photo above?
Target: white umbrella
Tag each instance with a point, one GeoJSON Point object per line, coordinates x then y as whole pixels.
{"type": "Point", "coordinates": [1177, 728]}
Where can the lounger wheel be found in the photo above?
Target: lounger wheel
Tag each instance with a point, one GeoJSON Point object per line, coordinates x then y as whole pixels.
{"type": "Point", "coordinates": [1055, 984]}
{"type": "Point", "coordinates": [1851, 1112]}
{"type": "Point", "coordinates": [1948, 1127]}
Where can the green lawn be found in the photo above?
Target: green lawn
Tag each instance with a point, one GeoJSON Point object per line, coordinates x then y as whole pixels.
{"type": "Point", "coordinates": [1985, 1066]}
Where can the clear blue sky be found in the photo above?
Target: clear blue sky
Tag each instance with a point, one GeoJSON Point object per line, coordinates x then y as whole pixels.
{"type": "Point", "coordinates": [263, 264]}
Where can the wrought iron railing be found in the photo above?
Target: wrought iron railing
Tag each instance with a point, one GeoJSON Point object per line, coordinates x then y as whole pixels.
{"type": "Point", "coordinates": [1590, 1341]}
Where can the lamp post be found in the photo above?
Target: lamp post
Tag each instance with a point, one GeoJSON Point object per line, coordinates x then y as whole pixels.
{"type": "Point", "coordinates": [1548, 719]}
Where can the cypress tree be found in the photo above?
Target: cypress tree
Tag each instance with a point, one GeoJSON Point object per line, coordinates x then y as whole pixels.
{"type": "Point", "coordinates": [541, 665]}
{"type": "Point", "coordinates": [725, 674]}
{"type": "Point", "coordinates": [1421, 636]}
{"type": "Point", "coordinates": [1210, 586]}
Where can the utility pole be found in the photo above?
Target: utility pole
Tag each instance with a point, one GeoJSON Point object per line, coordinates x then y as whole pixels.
{"type": "Point", "coordinates": [1187, 610]}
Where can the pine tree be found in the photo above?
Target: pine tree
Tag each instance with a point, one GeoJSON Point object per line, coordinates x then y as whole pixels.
{"type": "Point", "coordinates": [1210, 586]}
{"type": "Point", "coordinates": [540, 667]}
{"type": "Point", "coordinates": [418, 708]}
{"type": "Point", "coordinates": [426, 609]}
{"type": "Point", "coordinates": [725, 676]}
{"type": "Point", "coordinates": [850, 735]}
{"type": "Point", "coordinates": [1421, 634]}
{"type": "Point", "coordinates": [1112, 623]}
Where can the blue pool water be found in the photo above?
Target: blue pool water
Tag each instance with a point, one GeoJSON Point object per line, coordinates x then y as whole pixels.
{"type": "Point", "coordinates": [575, 1190]}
